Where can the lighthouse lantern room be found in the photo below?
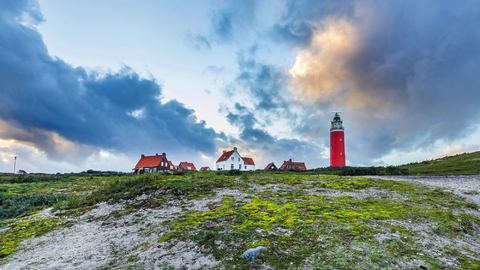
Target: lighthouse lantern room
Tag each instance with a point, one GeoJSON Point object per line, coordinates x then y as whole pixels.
{"type": "Point", "coordinates": [337, 142]}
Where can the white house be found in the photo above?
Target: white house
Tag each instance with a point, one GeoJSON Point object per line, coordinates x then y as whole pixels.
{"type": "Point", "coordinates": [232, 160]}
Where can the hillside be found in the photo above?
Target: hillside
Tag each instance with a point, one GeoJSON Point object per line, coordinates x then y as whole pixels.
{"type": "Point", "coordinates": [208, 220]}
{"type": "Point", "coordinates": [467, 163]}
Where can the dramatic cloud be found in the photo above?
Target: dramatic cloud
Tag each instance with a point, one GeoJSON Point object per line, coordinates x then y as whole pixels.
{"type": "Point", "coordinates": [254, 141]}
{"type": "Point", "coordinates": [67, 112]}
{"type": "Point", "coordinates": [404, 73]}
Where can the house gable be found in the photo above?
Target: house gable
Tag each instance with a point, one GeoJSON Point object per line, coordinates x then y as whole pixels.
{"type": "Point", "coordinates": [289, 165]}
{"type": "Point", "coordinates": [187, 166]}
{"type": "Point", "coordinates": [270, 166]}
{"type": "Point", "coordinates": [152, 164]}
{"type": "Point", "coordinates": [232, 160]}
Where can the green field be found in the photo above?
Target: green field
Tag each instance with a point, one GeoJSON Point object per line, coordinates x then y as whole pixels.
{"type": "Point", "coordinates": [467, 163]}
{"type": "Point", "coordinates": [307, 221]}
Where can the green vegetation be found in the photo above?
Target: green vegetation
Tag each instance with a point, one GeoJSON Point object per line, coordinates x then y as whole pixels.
{"type": "Point", "coordinates": [466, 163]}
{"type": "Point", "coordinates": [306, 220]}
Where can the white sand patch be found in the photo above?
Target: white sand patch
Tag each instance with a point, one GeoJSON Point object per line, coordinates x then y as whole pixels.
{"type": "Point", "coordinates": [97, 239]}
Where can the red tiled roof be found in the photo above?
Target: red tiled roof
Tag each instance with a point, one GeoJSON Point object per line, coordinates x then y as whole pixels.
{"type": "Point", "coordinates": [248, 161]}
{"type": "Point", "coordinates": [284, 165]}
{"type": "Point", "coordinates": [225, 156]}
{"type": "Point", "coordinates": [300, 166]}
{"type": "Point", "coordinates": [171, 166]}
{"type": "Point", "coordinates": [204, 168]}
{"type": "Point", "coordinates": [149, 161]}
{"type": "Point", "coordinates": [185, 165]}
{"type": "Point", "coordinates": [268, 166]}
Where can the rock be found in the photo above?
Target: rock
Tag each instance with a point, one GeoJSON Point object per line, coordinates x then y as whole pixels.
{"type": "Point", "coordinates": [252, 252]}
{"type": "Point", "coordinates": [211, 207]}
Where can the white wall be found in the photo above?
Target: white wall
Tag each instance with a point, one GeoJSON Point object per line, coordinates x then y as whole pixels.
{"type": "Point", "coordinates": [238, 163]}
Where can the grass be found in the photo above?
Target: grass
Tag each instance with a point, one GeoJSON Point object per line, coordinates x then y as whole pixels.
{"type": "Point", "coordinates": [466, 163]}
{"type": "Point", "coordinates": [306, 221]}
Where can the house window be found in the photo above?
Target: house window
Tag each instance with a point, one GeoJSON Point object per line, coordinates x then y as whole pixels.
{"type": "Point", "coordinates": [171, 167]}
{"type": "Point", "coordinates": [231, 167]}
{"type": "Point", "coordinates": [245, 167]}
{"type": "Point", "coordinates": [154, 169]}
{"type": "Point", "coordinates": [239, 166]}
{"type": "Point", "coordinates": [233, 158]}
{"type": "Point", "coordinates": [238, 159]}
{"type": "Point", "coordinates": [288, 167]}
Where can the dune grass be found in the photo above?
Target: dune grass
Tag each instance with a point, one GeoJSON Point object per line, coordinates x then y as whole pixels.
{"type": "Point", "coordinates": [466, 163]}
{"type": "Point", "coordinates": [307, 221]}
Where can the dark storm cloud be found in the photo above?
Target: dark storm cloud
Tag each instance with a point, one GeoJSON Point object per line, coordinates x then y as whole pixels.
{"type": "Point", "coordinates": [41, 95]}
{"type": "Point", "coordinates": [408, 69]}
{"type": "Point", "coordinates": [405, 74]}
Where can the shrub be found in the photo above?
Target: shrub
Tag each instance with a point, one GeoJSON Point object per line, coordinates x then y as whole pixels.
{"type": "Point", "coordinates": [13, 205]}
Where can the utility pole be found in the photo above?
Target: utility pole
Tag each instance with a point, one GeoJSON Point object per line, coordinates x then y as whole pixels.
{"type": "Point", "coordinates": [14, 166]}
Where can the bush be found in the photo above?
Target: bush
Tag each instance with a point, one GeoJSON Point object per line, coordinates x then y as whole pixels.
{"type": "Point", "coordinates": [13, 205]}
{"type": "Point", "coordinates": [390, 170]}
{"type": "Point", "coordinates": [33, 178]}
{"type": "Point", "coordinates": [230, 172]}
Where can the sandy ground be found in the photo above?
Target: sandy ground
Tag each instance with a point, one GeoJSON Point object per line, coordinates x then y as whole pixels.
{"type": "Point", "coordinates": [98, 240]}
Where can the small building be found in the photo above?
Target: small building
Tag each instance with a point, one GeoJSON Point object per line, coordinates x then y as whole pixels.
{"type": "Point", "coordinates": [270, 166]}
{"type": "Point", "coordinates": [185, 166]}
{"type": "Point", "coordinates": [152, 164]}
{"type": "Point", "coordinates": [248, 164]}
{"type": "Point", "coordinates": [293, 166]}
{"type": "Point", "coordinates": [172, 167]}
{"type": "Point", "coordinates": [232, 160]}
{"type": "Point", "coordinates": [202, 169]}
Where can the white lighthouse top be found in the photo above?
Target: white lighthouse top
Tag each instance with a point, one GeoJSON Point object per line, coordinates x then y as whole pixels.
{"type": "Point", "coordinates": [336, 123]}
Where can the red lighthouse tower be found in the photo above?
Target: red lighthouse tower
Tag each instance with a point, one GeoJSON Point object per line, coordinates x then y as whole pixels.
{"type": "Point", "coordinates": [337, 143]}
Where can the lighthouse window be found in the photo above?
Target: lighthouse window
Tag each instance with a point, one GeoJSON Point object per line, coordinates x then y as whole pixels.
{"type": "Point", "coordinates": [340, 139]}
{"type": "Point", "coordinates": [341, 154]}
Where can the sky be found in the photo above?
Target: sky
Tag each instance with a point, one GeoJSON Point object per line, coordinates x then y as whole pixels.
{"type": "Point", "coordinates": [95, 84]}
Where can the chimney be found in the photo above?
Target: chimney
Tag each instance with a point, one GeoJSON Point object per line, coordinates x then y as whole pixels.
{"type": "Point", "coordinates": [143, 155]}
{"type": "Point", "coordinates": [156, 154]}
{"type": "Point", "coordinates": [224, 151]}
{"type": "Point", "coordinates": [290, 160]}
{"type": "Point", "coordinates": [235, 149]}
{"type": "Point", "coordinates": [163, 154]}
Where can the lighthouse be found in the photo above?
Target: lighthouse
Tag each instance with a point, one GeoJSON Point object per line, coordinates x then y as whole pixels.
{"type": "Point", "coordinates": [337, 143]}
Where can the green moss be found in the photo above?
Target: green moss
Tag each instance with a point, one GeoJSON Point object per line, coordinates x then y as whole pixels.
{"type": "Point", "coordinates": [19, 231]}
{"type": "Point", "coordinates": [334, 231]}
